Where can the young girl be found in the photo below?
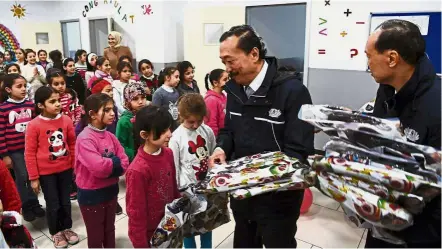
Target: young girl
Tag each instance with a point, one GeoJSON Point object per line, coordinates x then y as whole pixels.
{"type": "Point", "coordinates": [20, 56]}
{"type": "Point", "coordinates": [15, 113]}
{"type": "Point", "coordinates": [150, 179]}
{"type": "Point", "coordinates": [187, 83]}
{"type": "Point", "coordinates": [74, 80]}
{"type": "Point", "coordinates": [127, 59]}
{"type": "Point", "coordinates": [134, 100]}
{"type": "Point", "coordinates": [124, 70]}
{"type": "Point", "coordinates": [34, 73]}
{"type": "Point", "coordinates": [102, 71]}
{"type": "Point", "coordinates": [56, 58]}
{"type": "Point", "coordinates": [215, 99]}
{"type": "Point", "coordinates": [100, 86]}
{"type": "Point", "coordinates": [91, 63]}
{"type": "Point", "coordinates": [12, 68]}
{"type": "Point", "coordinates": [49, 157]}
{"type": "Point", "coordinates": [167, 95]}
{"type": "Point", "coordinates": [99, 161]}
{"type": "Point", "coordinates": [80, 63]}
{"type": "Point", "coordinates": [68, 97]}
{"type": "Point", "coordinates": [9, 57]}
{"type": "Point", "coordinates": [148, 78]}
{"type": "Point", "coordinates": [192, 143]}
{"type": "Point", "coordinates": [42, 59]}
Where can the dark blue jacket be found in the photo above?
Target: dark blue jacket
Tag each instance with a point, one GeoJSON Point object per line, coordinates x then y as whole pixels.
{"type": "Point", "coordinates": [268, 120]}
{"type": "Point", "coordinates": [418, 107]}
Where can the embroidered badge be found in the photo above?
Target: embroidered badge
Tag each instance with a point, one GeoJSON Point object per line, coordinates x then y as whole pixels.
{"type": "Point", "coordinates": [411, 134]}
{"type": "Point", "coordinates": [274, 113]}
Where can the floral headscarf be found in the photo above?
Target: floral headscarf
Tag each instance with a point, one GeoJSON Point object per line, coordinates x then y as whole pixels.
{"type": "Point", "coordinates": [132, 90]}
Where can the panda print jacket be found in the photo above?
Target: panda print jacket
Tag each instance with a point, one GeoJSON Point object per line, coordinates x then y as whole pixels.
{"type": "Point", "coordinates": [49, 146]}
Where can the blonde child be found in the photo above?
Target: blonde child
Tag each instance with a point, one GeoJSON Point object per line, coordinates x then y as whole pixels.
{"type": "Point", "coordinates": [99, 162]}
{"type": "Point", "coordinates": [15, 114]}
{"type": "Point", "coordinates": [49, 157]}
{"type": "Point", "coordinates": [167, 95]}
{"type": "Point", "coordinates": [150, 178]}
{"type": "Point", "coordinates": [134, 100]}
{"type": "Point", "coordinates": [192, 143]}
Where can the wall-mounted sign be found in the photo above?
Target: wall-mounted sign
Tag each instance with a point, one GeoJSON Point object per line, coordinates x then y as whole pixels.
{"type": "Point", "coordinates": [117, 5]}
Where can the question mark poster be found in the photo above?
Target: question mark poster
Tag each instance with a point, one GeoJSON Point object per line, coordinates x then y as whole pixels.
{"type": "Point", "coordinates": [338, 34]}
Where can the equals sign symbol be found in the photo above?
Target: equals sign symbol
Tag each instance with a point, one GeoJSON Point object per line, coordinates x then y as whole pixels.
{"type": "Point", "coordinates": [321, 51]}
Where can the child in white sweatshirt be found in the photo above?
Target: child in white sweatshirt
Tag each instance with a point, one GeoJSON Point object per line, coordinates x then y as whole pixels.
{"type": "Point", "coordinates": [34, 74]}
{"type": "Point", "coordinates": [192, 143]}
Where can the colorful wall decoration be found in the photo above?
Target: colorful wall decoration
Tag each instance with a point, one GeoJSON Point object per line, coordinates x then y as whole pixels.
{"type": "Point", "coordinates": [18, 11]}
{"type": "Point", "coordinates": [7, 39]}
{"type": "Point", "coordinates": [117, 5]}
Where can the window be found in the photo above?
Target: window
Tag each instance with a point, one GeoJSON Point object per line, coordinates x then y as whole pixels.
{"type": "Point", "coordinates": [212, 33]}
{"type": "Point", "coordinates": [42, 38]}
{"type": "Point", "coordinates": [70, 31]}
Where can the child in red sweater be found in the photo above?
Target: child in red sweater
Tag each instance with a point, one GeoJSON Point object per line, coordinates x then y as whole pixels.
{"type": "Point", "coordinates": [49, 157]}
{"type": "Point", "coordinates": [215, 99]}
{"type": "Point", "coordinates": [150, 178]}
{"type": "Point", "coordinates": [68, 97]}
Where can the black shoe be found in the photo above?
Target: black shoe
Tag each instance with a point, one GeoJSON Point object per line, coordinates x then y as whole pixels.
{"type": "Point", "coordinates": [119, 209]}
{"type": "Point", "coordinates": [38, 211]}
{"type": "Point", "coordinates": [28, 215]}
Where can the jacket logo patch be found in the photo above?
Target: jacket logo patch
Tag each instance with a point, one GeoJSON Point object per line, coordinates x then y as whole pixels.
{"type": "Point", "coordinates": [411, 134]}
{"type": "Point", "coordinates": [274, 113]}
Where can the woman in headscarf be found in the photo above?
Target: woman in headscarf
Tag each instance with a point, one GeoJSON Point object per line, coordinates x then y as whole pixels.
{"type": "Point", "coordinates": [115, 51]}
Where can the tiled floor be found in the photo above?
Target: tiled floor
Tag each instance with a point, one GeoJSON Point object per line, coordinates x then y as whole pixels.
{"type": "Point", "coordinates": [323, 226]}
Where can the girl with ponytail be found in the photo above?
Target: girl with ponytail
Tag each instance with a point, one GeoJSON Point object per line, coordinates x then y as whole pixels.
{"type": "Point", "coordinates": [215, 99]}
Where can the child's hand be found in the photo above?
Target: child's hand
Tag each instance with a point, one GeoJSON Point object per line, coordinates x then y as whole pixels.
{"type": "Point", "coordinates": [8, 162]}
{"type": "Point", "coordinates": [35, 184]}
{"type": "Point", "coordinates": [148, 92]}
{"type": "Point", "coordinates": [35, 71]}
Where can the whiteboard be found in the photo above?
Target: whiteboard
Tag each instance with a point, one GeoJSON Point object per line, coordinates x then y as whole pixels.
{"type": "Point", "coordinates": [421, 21]}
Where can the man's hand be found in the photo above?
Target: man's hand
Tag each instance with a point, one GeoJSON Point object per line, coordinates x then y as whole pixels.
{"type": "Point", "coordinates": [8, 162]}
{"type": "Point", "coordinates": [35, 184]}
{"type": "Point", "coordinates": [218, 156]}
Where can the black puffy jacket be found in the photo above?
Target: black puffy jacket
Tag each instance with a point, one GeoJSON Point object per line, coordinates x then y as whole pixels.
{"type": "Point", "coordinates": [418, 107]}
{"type": "Point", "coordinates": [268, 120]}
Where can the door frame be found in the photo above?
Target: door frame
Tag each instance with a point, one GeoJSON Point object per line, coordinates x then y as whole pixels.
{"type": "Point", "coordinates": [308, 9]}
{"type": "Point", "coordinates": [103, 17]}
{"type": "Point", "coordinates": [61, 30]}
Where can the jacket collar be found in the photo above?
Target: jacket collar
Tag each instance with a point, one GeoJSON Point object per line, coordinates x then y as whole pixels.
{"type": "Point", "coordinates": [262, 91]}
{"type": "Point", "coordinates": [421, 80]}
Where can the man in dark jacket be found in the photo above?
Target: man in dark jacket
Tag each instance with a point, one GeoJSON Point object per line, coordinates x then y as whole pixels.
{"type": "Point", "coordinates": [411, 91]}
{"type": "Point", "coordinates": [262, 116]}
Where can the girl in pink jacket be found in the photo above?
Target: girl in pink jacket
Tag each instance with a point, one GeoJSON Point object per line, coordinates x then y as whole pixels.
{"type": "Point", "coordinates": [215, 99]}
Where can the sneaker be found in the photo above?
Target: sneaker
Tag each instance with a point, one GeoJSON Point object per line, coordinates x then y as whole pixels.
{"type": "Point", "coordinates": [38, 211]}
{"type": "Point", "coordinates": [119, 209]}
{"type": "Point", "coordinates": [60, 240]}
{"type": "Point", "coordinates": [28, 215]}
{"type": "Point", "coordinates": [73, 196]}
{"type": "Point", "coordinates": [71, 236]}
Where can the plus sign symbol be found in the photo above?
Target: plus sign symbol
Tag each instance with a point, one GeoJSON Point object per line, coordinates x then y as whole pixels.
{"type": "Point", "coordinates": [348, 12]}
{"type": "Point", "coordinates": [147, 10]}
{"type": "Point", "coordinates": [343, 33]}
